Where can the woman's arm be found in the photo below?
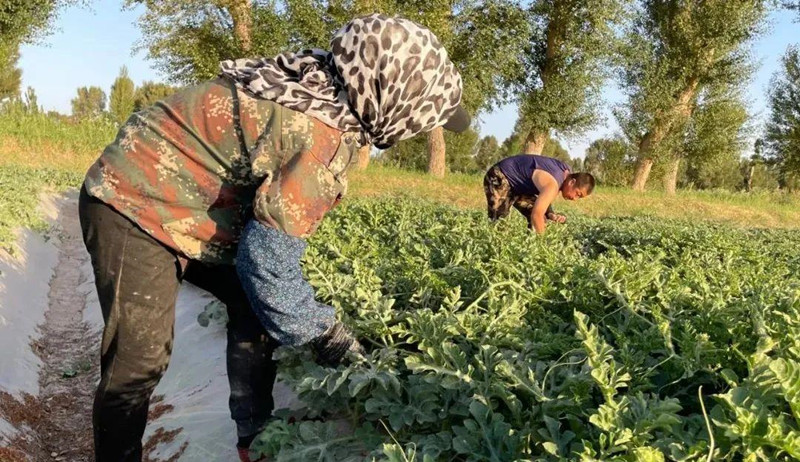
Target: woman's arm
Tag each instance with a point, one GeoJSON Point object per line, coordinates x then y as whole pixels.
{"type": "Point", "coordinates": [287, 208]}
{"type": "Point", "coordinates": [268, 264]}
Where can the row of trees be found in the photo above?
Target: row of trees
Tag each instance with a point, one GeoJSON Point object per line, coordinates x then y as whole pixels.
{"type": "Point", "coordinates": [782, 137]}
{"type": "Point", "coordinates": [467, 153]}
{"type": "Point", "coordinates": [188, 38]}
{"type": "Point", "coordinates": [683, 65]}
{"type": "Point", "coordinates": [28, 21]}
{"type": "Point", "coordinates": [613, 161]}
{"type": "Point", "coordinates": [680, 63]}
{"type": "Point", "coordinates": [124, 99]}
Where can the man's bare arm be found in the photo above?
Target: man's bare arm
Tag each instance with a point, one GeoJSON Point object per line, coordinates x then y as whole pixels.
{"type": "Point", "coordinates": [548, 190]}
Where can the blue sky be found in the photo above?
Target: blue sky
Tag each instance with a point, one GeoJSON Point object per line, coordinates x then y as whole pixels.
{"type": "Point", "coordinates": [91, 44]}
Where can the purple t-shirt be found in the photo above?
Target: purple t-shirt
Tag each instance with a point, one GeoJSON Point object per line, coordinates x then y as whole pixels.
{"type": "Point", "coordinates": [519, 171]}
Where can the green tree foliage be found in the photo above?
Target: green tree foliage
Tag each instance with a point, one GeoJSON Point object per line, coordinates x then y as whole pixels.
{"type": "Point", "coordinates": [513, 144]}
{"type": "Point", "coordinates": [487, 56]}
{"type": "Point", "coordinates": [89, 103]}
{"type": "Point", "coordinates": [792, 5]}
{"type": "Point", "coordinates": [564, 61]}
{"type": "Point", "coordinates": [412, 153]}
{"type": "Point", "coordinates": [764, 176]}
{"type": "Point", "coordinates": [783, 126]}
{"type": "Point", "coordinates": [610, 160]}
{"type": "Point", "coordinates": [552, 148]}
{"type": "Point", "coordinates": [148, 93]}
{"type": "Point", "coordinates": [31, 101]}
{"type": "Point", "coordinates": [757, 174]}
{"type": "Point", "coordinates": [21, 106]}
{"type": "Point", "coordinates": [188, 38]}
{"type": "Point", "coordinates": [488, 153]}
{"type": "Point", "coordinates": [675, 49]}
{"type": "Point", "coordinates": [121, 100]}
{"type": "Point", "coordinates": [21, 21]}
{"type": "Point", "coordinates": [714, 142]}
{"type": "Point", "coordinates": [313, 22]}
{"type": "Point", "coordinates": [461, 151]}
{"type": "Point", "coordinates": [10, 74]}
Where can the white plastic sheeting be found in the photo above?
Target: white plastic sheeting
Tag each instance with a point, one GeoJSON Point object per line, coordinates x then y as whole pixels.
{"type": "Point", "coordinates": [24, 286]}
{"type": "Point", "coordinates": [195, 385]}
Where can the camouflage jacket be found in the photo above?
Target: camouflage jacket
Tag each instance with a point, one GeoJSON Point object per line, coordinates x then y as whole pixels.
{"type": "Point", "coordinates": [190, 169]}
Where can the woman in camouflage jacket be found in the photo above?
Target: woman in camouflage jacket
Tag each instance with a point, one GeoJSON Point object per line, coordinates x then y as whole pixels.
{"type": "Point", "coordinates": [220, 184]}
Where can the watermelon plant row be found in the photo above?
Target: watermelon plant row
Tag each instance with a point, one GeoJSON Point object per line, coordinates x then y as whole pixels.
{"type": "Point", "coordinates": [630, 339]}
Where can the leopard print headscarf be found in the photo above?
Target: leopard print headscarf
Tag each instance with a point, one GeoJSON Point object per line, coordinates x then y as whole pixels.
{"type": "Point", "coordinates": [388, 78]}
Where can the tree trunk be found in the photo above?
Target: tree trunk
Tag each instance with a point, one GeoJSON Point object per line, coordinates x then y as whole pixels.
{"type": "Point", "coordinates": [643, 167]}
{"type": "Point", "coordinates": [662, 125]}
{"type": "Point", "coordinates": [554, 35]}
{"type": "Point", "coordinates": [748, 184]}
{"type": "Point", "coordinates": [242, 16]}
{"type": "Point", "coordinates": [436, 152]}
{"type": "Point", "coordinates": [534, 143]}
{"type": "Point", "coordinates": [363, 157]}
{"type": "Point", "coordinates": [671, 177]}
{"type": "Point", "coordinates": [645, 161]}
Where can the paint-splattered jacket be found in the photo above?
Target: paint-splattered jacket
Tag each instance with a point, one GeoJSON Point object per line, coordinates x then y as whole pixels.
{"type": "Point", "coordinates": [189, 169]}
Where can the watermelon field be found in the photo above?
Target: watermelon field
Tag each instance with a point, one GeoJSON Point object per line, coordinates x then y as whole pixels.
{"type": "Point", "coordinates": [638, 332]}
{"type": "Point", "coordinates": [655, 319]}
{"type": "Point", "coordinates": [625, 339]}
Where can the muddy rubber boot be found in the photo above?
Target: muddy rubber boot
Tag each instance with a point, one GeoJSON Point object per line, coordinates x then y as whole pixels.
{"type": "Point", "coordinates": [331, 346]}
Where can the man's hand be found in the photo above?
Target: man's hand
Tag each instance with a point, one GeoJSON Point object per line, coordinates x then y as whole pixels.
{"type": "Point", "coordinates": [556, 217]}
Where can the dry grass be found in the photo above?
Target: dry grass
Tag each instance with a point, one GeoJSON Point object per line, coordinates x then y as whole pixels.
{"type": "Point", "coordinates": [39, 151]}
{"type": "Point", "coordinates": [46, 155]}
{"type": "Point", "coordinates": [34, 139]}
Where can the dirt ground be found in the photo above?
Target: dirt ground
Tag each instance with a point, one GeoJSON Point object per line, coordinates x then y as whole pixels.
{"type": "Point", "coordinates": [56, 425]}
